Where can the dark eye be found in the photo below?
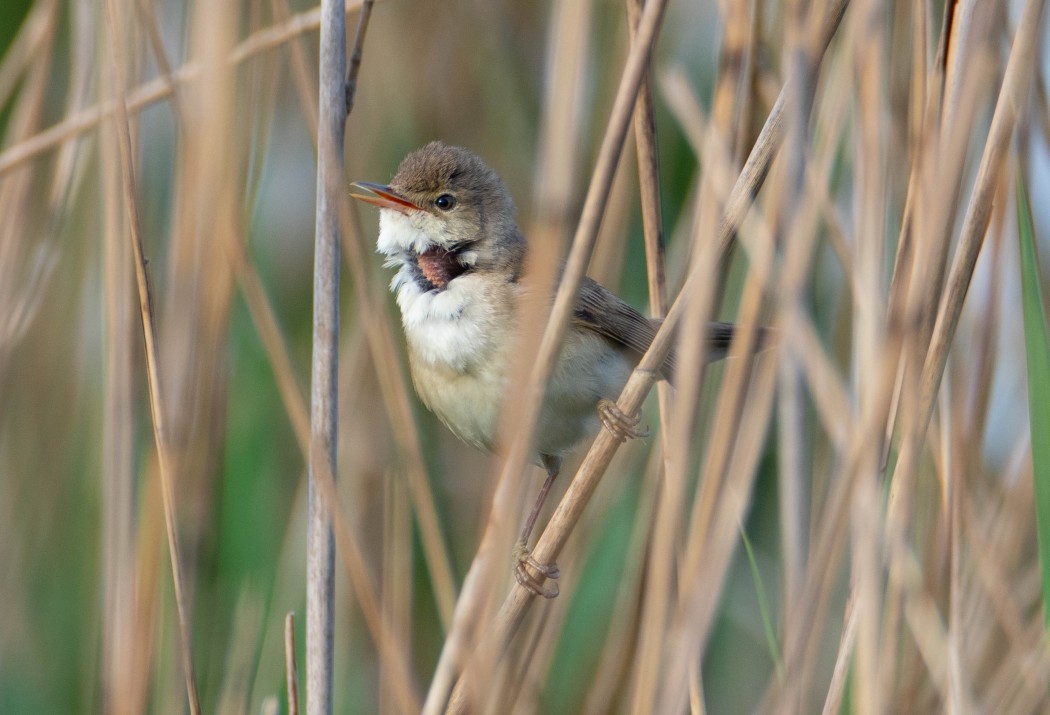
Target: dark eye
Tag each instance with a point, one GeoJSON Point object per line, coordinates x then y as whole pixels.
{"type": "Point", "coordinates": [445, 202]}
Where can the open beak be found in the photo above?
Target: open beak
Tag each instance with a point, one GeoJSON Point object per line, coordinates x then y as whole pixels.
{"type": "Point", "coordinates": [383, 197]}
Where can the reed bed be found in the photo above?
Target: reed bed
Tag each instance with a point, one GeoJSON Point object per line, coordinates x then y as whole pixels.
{"type": "Point", "coordinates": [849, 514]}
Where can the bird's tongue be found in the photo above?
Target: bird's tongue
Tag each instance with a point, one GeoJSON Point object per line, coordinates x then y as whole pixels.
{"type": "Point", "coordinates": [439, 266]}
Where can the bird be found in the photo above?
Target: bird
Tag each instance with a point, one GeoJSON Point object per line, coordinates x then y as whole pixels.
{"type": "Point", "coordinates": [447, 225]}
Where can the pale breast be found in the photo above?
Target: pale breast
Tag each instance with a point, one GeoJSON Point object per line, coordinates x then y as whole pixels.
{"type": "Point", "coordinates": [460, 344]}
{"type": "Point", "coordinates": [468, 401]}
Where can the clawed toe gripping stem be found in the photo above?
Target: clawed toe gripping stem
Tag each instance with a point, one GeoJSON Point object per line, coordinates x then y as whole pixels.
{"type": "Point", "coordinates": [534, 585]}
{"type": "Point", "coordinates": [619, 424]}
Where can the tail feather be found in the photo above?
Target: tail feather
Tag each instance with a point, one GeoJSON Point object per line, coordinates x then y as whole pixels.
{"type": "Point", "coordinates": [719, 338]}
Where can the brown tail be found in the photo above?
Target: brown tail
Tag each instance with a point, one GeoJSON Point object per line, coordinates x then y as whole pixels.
{"type": "Point", "coordinates": [719, 337]}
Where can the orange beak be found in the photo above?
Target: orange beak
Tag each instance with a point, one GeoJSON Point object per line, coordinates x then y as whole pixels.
{"type": "Point", "coordinates": [383, 197]}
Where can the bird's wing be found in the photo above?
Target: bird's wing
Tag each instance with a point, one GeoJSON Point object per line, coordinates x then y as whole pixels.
{"type": "Point", "coordinates": [602, 311]}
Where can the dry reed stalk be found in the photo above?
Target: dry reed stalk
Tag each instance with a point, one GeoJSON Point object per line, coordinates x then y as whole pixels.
{"type": "Point", "coordinates": [157, 404]}
{"type": "Point", "coordinates": [715, 148]}
{"type": "Point", "coordinates": [797, 220]}
{"type": "Point", "coordinates": [698, 599]}
{"type": "Point", "coordinates": [560, 143]}
{"type": "Point", "coordinates": [197, 293]}
{"type": "Point", "coordinates": [652, 232]}
{"type": "Point", "coordinates": [939, 150]}
{"type": "Point", "coordinates": [269, 330]}
{"type": "Point", "coordinates": [802, 627]}
{"type": "Point", "coordinates": [672, 541]}
{"type": "Point", "coordinates": [554, 192]}
{"type": "Point", "coordinates": [817, 375]}
{"type": "Point", "coordinates": [264, 79]}
{"type": "Point", "coordinates": [331, 220]}
{"type": "Point", "coordinates": [266, 323]}
{"type": "Point", "coordinates": [958, 678]}
{"type": "Point", "coordinates": [576, 263]}
{"type": "Point", "coordinates": [866, 544]}
{"type": "Point", "coordinates": [385, 357]}
{"type": "Point", "coordinates": [305, 82]}
{"type": "Point", "coordinates": [664, 570]}
{"type": "Point", "coordinates": [979, 390]}
{"type": "Point", "coordinates": [121, 691]}
{"type": "Point", "coordinates": [291, 670]}
{"type": "Point", "coordinates": [532, 664]}
{"type": "Point", "coordinates": [800, 344]}
{"type": "Point", "coordinates": [731, 98]}
{"type": "Point", "coordinates": [610, 683]}
{"type": "Point", "coordinates": [518, 683]}
{"type": "Point", "coordinates": [607, 263]}
{"type": "Point", "coordinates": [353, 67]}
{"type": "Point", "coordinates": [644, 124]}
{"type": "Point", "coordinates": [68, 172]}
{"type": "Point", "coordinates": [669, 496]}
{"type": "Point", "coordinates": [238, 665]}
{"type": "Point", "coordinates": [397, 591]}
{"type": "Point", "coordinates": [837, 686]}
{"type": "Point", "coordinates": [389, 648]}
{"type": "Point", "coordinates": [324, 372]}
{"type": "Point", "coordinates": [994, 555]}
{"type": "Point", "coordinates": [798, 331]}
{"type": "Point", "coordinates": [147, 14]}
{"type": "Point", "coordinates": [926, 231]}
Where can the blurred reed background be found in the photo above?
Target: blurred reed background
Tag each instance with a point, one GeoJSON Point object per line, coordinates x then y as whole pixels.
{"type": "Point", "coordinates": [797, 539]}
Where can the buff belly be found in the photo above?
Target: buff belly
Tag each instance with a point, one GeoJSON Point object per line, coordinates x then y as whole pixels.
{"type": "Point", "coordinates": [468, 398]}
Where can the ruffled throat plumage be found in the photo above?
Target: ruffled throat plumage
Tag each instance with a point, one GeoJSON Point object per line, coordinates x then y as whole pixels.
{"type": "Point", "coordinates": [431, 270]}
{"type": "Point", "coordinates": [437, 267]}
{"type": "Point", "coordinates": [429, 263]}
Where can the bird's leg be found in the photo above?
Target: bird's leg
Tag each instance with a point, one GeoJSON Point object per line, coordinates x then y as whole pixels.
{"type": "Point", "coordinates": [621, 426]}
{"type": "Point", "coordinates": [521, 550]}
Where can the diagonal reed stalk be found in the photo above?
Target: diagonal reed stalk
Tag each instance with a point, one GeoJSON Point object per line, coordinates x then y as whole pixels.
{"type": "Point", "coordinates": [159, 89]}
{"type": "Point", "coordinates": [547, 352]}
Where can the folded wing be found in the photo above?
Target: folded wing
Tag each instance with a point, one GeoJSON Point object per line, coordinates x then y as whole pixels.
{"type": "Point", "coordinates": [600, 310]}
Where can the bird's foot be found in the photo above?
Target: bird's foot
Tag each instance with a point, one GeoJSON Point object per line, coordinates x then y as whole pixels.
{"type": "Point", "coordinates": [621, 426]}
{"type": "Point", "coordinates": [526, 580]}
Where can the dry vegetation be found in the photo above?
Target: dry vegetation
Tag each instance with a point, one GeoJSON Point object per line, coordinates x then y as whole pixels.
{"type": "Point", "coordinates": [841, 521]}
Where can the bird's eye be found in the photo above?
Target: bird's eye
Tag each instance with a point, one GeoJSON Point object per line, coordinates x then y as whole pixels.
{"type": "Point", "coordinates": [445, 202]}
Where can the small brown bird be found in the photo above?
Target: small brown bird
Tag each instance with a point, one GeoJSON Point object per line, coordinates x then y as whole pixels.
{"type": "Point", "coordinates": [446, 222]}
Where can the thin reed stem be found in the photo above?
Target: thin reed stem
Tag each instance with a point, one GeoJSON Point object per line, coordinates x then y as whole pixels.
{"type": "Point", "coordinates": [324, 396]}
{"type": "Point", "coordinates": [157, 404]}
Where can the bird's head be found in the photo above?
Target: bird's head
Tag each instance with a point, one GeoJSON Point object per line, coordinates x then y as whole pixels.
{"type": "Point", "coordinates": [445, 213]}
